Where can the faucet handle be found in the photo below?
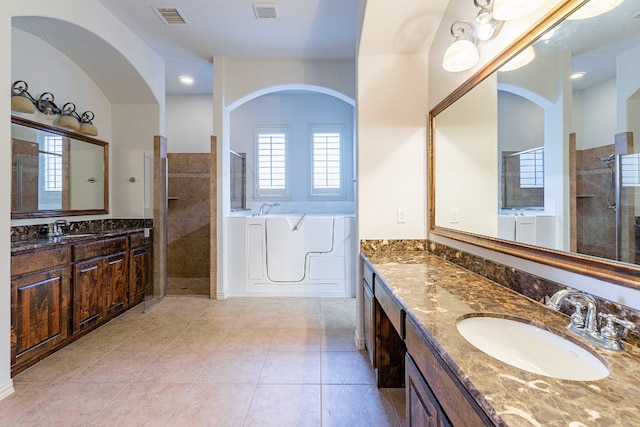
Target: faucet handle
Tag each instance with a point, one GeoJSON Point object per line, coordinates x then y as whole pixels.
{"type": "Point", "coordinates": [609, 330]}
{"type": "Point", "coordinates": [577, 318]}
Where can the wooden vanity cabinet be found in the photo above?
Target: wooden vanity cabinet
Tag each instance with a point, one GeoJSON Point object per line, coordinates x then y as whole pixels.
{"type": "Point", "coordinates": [100, 281]}
{"type": "Point", "coordinates": [40, 301]}
{"type": "Point", "coordinates": [369, 313]}
{"type": "Point", "coordinates": [140, 266]}
{"type": "Point", "coordinates": [431, 386]}
{"type": "Point", "coordinates": [423, 408]}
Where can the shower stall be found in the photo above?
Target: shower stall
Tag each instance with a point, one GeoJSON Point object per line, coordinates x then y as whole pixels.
{"type": "Point", "coordinates": [607, 219]}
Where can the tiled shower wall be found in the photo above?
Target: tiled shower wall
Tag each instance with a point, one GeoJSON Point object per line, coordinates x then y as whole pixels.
{"type": "Point", "coordinates": [595, 195]}
{"type": "Point", "coordinates": [189, 215]}
{"type": "Point", "coordinates": [595, 222]}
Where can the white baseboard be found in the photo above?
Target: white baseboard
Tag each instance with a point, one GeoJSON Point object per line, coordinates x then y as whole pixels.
{"type": "Point", "coordinates": [358, 341]}
{"type": "Point", "coordinates": [6, 389]}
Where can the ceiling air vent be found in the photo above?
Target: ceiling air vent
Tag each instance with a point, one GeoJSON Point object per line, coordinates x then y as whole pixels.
{"type": "Point", "coordinates": [265, 10]}
{"type": "Point", "coordinates": [170, 15]}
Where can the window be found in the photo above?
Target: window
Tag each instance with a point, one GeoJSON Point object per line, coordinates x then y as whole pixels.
{"type": "Point", "coordinates": [326, 161]}
{"type": "Point", "coordinates": [630, 170]}
{"type": "Point", "coordinates": [52, 163]}
{"type": "Point", "coordinates": [271, 159]}
{"type": "Point", "coordinates": [532, 168]}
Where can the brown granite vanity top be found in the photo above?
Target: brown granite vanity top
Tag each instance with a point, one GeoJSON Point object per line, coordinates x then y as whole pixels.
{"type": "Point", "coordinates": [67, 239]}
{"type": "Point", "coordinates": [435, 293]}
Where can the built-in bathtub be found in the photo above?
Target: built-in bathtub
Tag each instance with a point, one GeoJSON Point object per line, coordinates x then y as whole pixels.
{"type": "Point", "coordinates": [290, 255]}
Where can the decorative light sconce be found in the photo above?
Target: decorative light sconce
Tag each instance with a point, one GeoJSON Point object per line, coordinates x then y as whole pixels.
{"type": "Point", "coordinates": [463, 53]}
{"type": "Point", "coordinates": [23, 102]}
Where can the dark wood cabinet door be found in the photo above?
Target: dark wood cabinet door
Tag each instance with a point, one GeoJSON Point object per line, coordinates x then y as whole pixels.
{"type": "Point", "coordinates": [39, 306]}
{"type": "Point", "coordinates": [423, 409]}
{"type": "Point", "coordinates": [369, 322]}
{"type": "Point", "coordinates": [140, 274]}
{"type": "Point", "coordinates": [87, 289]}
{"type": "Point", "coordinates": [116, 278]}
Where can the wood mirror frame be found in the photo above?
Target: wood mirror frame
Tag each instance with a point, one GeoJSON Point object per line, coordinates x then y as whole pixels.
{"type": "Point", "coordinates": [79, 137]}
{"type": "Point", "coordinates": [627, 275]}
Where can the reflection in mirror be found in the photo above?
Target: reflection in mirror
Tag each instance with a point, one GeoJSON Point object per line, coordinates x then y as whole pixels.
{"type": "Point", "coordinates": [238, 181]}
{"type": "Point", "coordinates": [148, 186]}
{"type": "Point", "coordinates": [56, 172]}
{"type": "Point", "coordinates": [577, 102]}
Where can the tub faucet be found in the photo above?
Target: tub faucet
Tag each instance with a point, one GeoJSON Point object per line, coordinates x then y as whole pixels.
{"type": "Point", "coordinates": [265, 208]}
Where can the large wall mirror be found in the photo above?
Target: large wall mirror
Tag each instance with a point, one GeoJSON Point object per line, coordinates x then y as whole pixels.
{"type": "Point", "coordinates": [56, 173]}
{"type": "Point", "coordinates": [540, 161]}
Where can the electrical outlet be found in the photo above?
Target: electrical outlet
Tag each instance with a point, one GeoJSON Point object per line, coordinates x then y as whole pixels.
{"type": "Point", "coordinates": [402, 215]}
{"type": "Point", "coordinates": [455, 216]}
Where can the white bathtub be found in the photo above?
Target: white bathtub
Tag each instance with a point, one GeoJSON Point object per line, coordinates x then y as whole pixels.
{"type": "Point", "coordinates": [290, 255]}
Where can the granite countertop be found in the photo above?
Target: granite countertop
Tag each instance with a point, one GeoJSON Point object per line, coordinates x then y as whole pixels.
{"type": "Point", "coordinates": [435, 293]}
{"type": "Point", "coordinates": [20, 246]}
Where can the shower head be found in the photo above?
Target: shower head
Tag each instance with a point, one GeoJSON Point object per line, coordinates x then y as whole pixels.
{"type": "Point", "coordinates": [606, 160]}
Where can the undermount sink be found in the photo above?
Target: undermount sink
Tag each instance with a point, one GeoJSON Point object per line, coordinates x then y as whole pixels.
{"type": "Point", "coordinates": [528, 347]}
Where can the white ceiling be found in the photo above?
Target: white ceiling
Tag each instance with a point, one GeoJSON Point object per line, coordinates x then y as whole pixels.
{"type": "Point", "coordinates": [304, 29]}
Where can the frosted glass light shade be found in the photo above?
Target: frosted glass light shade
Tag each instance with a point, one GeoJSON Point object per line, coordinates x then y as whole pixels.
{"type": "Point", "coordinates": [22, 104]}
{"type": "Point", "coordinates": [88, 129]}
{"type": "Point", "coordinates": [460, 56]}
{"type": "Point", "coordinates": [506, 10]}
{"type": "Point", "coordinates": [69, 122]}
{"type": "Point", "coordinates": [594, 8]}
{"type": "Point", "coordinates": [520, 60]}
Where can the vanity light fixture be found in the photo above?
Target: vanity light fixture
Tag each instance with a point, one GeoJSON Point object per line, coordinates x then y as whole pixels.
{"type": "Point", "coordinates": [21, 99]}
{"type": "Point", "coordinates": [487, 27]}
{"type": "Point", "coordinates": [507, 10]}
{"type": "Point", "coordinates": [463, 53]}
{"type": "Point", "coordinates": [23, 102]}
{"type": "Point", "coordinates": [594, 8]}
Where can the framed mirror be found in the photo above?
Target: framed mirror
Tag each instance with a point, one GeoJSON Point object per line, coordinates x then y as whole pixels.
{"type": "Point", "coordinates": [539, 161]}
{"type": "Point", "coordinates": [57, 172]}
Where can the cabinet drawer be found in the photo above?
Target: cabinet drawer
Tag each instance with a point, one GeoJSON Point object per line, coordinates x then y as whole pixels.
{"type": "Point", "coordinates": [38, 261]}
{"type": "Point", "coordinates": [367, 275]}
{"type": "Point", "coordinates": [137, 240]}
{"type": "Point", "coordinates": [388, 303]}
{"type": "Point", "coordinates": [459, 406]}
{"type": "Point", "coordinates": [100, 248]}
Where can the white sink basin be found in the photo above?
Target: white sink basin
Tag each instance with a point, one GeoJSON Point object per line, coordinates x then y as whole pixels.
{"type": "Point", "coordinates": [532, 349]}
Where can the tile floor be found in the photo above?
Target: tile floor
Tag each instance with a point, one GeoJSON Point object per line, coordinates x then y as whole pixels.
{"type": "Point", "coordinates": [193, 361]}
{"type": "Point", "coordinates": [188, 286]}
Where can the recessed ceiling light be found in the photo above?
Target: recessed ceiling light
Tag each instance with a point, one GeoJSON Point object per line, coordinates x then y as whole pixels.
{"type": "Point", "coordinates": [577, 75]}
{"type": "Point", "coordinates": [186, 80]}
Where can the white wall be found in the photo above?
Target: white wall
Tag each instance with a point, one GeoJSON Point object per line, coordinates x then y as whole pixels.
{"type": "Point", "coordinates": [598, 115]}
{"type": "Point", "coordinates": [189, 123]}
{"type": "Point", "coordinates": [514, 133]}
{"type": "Point", "coordinates": [392, 116]}
{"type": "Point", "coordinates": [468, 183]}
{"type": "Point", "coordinates": [297, 111]}
{"type": "Point", "coordinates": [244, 78]}
{"type": "Point", "coordinates": [134, 127]}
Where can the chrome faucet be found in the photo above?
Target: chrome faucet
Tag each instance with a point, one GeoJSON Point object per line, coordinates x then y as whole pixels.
{"type": "Point", "coordinates": [588, 327]}
{"type": "Point", "coordinates": [55, 228]}
{"type": "Point", "coordinates": [265, 208]}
